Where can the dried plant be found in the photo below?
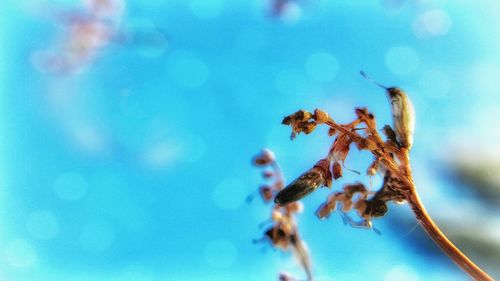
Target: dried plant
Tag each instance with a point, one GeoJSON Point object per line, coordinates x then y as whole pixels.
{"type": "Point", "coordinates": [283, 232]}
{"type": "Point", "coordinates": [87, 31]}
{"type": "Point", "coordinates": [390, 158]}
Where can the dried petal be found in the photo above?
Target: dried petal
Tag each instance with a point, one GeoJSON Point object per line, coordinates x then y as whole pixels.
{"type": "Point", "coordinates": [320, 116]}
{"type": "Point", "coordinates": [305, 127]}
{"type": "Point", "coordinates": [366, 117]}
{"type": "Point", "coordinates": [331, 132]}
{"type": "Point", "coordinates": [298, 116]}
{"type": "Point", "coordinates": [323, 211]}
{"type": "Point", "coordinates": [341, 147]}
{"type": "Point", "coordinates": [337, 170]}
{"type": "Point", "coordinates": [361, 112]}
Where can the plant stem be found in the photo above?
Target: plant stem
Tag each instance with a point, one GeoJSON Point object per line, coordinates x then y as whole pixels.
{"type": "Point", "coordinates": [404, 174]}
{"type": "Point", "coordinates": [442, 241]}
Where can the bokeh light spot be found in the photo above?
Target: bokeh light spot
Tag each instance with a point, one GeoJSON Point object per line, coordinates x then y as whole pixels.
{"type": "Point", "coordinates": [322, 67]}
{"type": "Point", "coordinates": [401, 60]}
{"type": "Point", "coordinates": [401, 272]}
{"type": "Point", "coordinates": [42, 225]}
{"type": "Point", "coordinates": [220, 253]}
{"type": "Point", "coordinates": [291, 13]}
{"type": "Point", "coordinates": [162, 154]}
{"type": "Point", "coordinates": [20, 253]}
{"type": "Point", "coordinates": [70, 186]}
{"type": "Point", "coordinates": [435, 22]}
{"type": "Point", "coordinates": [229, 194]}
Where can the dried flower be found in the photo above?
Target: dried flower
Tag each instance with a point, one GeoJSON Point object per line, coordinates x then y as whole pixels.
{"type": "Point", "coordinates": [320, 116]}
{"type": "Point", "coordinates": [300, 122]}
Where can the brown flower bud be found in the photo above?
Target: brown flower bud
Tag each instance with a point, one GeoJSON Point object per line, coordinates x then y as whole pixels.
{"type": "Point", "coordinates": [320, 116]}
{"type": "Point", "coordinates": [266, 193]}
{"type": "Point", "coordinates": [373, 168]}
{"type": "Point", "coordinates": [331, 132]}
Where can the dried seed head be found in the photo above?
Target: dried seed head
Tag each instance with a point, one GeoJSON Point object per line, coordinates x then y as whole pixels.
{"type": "Point", "coordinates": [305, 127]}
{"type": "Point", "coordinates": [266, 193]}
{"type": "Point", "coordinates": [299, 116]}
{"type": "Point", "coordinates": [308, 182]}
{"type": "Point", "coordinates": [375, 208]}
{"type": "Point", "coordinates": [337, 170]}
{"type": "Point", "coordinates": [265, 157]}
{"type": "Point", "coordinates": [320, 116]}
{"type": "Point", "coordinates": [300, 122]}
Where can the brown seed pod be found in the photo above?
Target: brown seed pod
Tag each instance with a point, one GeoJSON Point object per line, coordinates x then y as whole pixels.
{"type": "Point", "coordinates": [305, 184]}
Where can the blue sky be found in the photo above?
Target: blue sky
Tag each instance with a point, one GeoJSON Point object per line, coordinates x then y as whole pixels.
{"type": "Point", "coordinates": [137, 166]}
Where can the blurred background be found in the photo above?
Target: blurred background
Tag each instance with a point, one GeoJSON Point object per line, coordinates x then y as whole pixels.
{"type": "Point", "coordinates": [128, 128]}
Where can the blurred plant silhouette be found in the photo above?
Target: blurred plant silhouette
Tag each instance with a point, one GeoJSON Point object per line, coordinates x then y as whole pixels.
{"type": "Point", "coordinates": [87, 30]}
{"type": "Point", "coordinates": [283, 232]}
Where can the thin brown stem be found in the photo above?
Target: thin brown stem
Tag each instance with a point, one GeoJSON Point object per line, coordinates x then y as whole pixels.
{"type": "Point", "coordinates": [443, 242]}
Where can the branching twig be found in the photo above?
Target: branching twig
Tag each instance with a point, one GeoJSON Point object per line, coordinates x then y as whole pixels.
{"type": "Point", "coordinates": [392, 155]}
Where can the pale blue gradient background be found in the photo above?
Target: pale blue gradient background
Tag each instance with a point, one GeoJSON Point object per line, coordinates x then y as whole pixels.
{"type": "Point", "coordinates": [138, 167]}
